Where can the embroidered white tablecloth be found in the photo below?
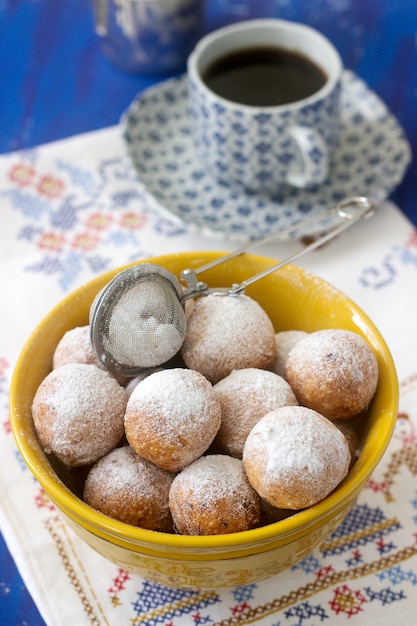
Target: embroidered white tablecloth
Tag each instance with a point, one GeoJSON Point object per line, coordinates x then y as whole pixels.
{"type": "Point", "coordinates": [72, 209]}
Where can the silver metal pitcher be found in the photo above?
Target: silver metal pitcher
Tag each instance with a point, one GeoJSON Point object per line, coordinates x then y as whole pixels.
{"type": "Point", "coordinates": [148, 36]}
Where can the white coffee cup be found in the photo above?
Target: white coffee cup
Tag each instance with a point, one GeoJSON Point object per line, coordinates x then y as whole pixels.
{"type": "Point", "coordinates": [263, 147]}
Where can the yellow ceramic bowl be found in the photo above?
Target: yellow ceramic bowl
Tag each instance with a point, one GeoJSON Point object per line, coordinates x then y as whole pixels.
{"type": "Point", "coordinates": [294, 299]}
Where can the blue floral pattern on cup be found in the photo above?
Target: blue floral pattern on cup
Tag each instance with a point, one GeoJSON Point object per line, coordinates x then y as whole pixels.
{"type": "Point", "coordinates": [370, 159]}
{"type": "Point", "coordinates": [257, 155]}
{"type": "Point", "coordinates": [262, 148]}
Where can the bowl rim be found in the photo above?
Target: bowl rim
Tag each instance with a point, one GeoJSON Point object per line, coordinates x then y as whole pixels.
{"type": "Point", "coordinates": [296, 525]}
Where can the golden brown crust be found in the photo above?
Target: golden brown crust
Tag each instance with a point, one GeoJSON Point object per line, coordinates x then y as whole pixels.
{"type": "Point", "coordinates": [284, 343]}
{"type": "Point", "coordinates": [130, 489]}
{"type": "Point", "coordinates": [245, 396]}
{"type": "Point", "coordinates": [78, 413]}
{"type": "Point", "coordinates": [227, 332]}
{"type": "Point", "coordinates": [172, 417]}
{"type": "Point", "coordinates": [213, 497]}
{"type": "Point", "coordinates": [334, 372]}
{"type": "Point", "coordinates": [352, 437]}
{"type": "Point", "coordinates": [75, 347]}
{"type": "Point", "coordinates": [294, 457]}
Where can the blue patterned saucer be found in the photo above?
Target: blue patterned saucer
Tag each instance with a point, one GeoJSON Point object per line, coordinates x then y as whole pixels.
{"type": "Point", "coordinates": [371, 160]}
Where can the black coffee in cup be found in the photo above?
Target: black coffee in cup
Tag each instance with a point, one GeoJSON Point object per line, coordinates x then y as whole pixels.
{"type": "Point", "coordinates": [264, 76]}
{"type": "Point", "coordinates": [265, 104]}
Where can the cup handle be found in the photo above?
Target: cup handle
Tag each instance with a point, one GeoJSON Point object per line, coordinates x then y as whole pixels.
{"type": "Point", "coordinates": [312, 166]}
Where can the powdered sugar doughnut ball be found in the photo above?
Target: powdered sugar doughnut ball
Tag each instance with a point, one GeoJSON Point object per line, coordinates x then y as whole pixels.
{"type": "Point", "coordinates": [227, 332]}
{"type": "Point", "coordinates": [130, 489]}
{"type": "Point", "coordinates": [172, 417]}
{"type": "Point", "coordinates": [78, 413]}
{"type": "Point", "coordinates": [284, 343]}
{"type": "Point", "coordinates": [334, 372]}
{"type": "Point", "coordinates": [352, 437]}
{"type": "Point", "coordinates": [245, 396]}
{"type": "Point", "coordinates": [133, 382]}
{"type": "Point", "coordinates": [294, 457]}
{"type": "Point", "coordinates": [75, 347]}
{"type": "Point", "coordinates": [212, 496]}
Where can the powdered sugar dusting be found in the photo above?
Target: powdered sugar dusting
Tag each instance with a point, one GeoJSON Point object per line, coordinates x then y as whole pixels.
{"type": "Point", "coordinates": [131, 489]}
{"type": "Point", "coordinates": [181, 398]}
{"type": "Point", "coordinates": [285, 342]}
{"type": "Point", "coordinates": [124, 470]}
{"type": "Point", "coordinates": [172, 417]}
{"type": "Point", "coordinates": [245, 396]}
{"type": "Point", "coordinates": [78, 413]}
{"type": "Point", "coordinates": [212, 496]}
{"type": "Point", "coordinates": [227, 332]}
{"type": "Point", "coordinates": [334, 372]}
{"type": "Point", "coordinates": [213, 477]}
{"type": "Point", "coordinates": [294, 457]}
{"type": "Point", "coordinates": [75, 347]}
{"type": "Point", "coordinates": [294, 446]}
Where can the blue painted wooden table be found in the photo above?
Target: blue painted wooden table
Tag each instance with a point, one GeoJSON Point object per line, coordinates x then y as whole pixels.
{"type": "Point", "coordinates": [55, 82]}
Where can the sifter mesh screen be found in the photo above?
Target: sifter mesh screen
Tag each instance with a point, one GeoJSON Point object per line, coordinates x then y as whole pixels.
{"type": "Point", "coordinates": [143, 325]}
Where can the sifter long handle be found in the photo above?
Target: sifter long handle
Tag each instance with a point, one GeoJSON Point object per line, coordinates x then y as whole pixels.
{"type": "Point", "coordinates": [341, 209]}
{"type": "Point", "coordinates": [361, 207]}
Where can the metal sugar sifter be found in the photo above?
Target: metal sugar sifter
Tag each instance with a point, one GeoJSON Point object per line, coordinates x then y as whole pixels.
{"type": "Point", "coordinates": [137, 321]}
